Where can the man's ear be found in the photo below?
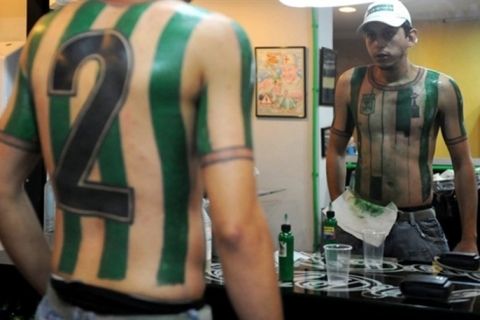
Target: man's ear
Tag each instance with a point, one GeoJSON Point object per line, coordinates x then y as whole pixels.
{"type": "Point", "coordinates": [413, 37]}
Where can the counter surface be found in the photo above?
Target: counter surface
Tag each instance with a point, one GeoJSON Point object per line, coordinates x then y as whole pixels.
{"type": "Point", "coordinates": [376, 294]}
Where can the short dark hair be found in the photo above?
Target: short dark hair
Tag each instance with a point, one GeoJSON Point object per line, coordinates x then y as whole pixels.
{"type": "Point", "coordinates": [407, 27]}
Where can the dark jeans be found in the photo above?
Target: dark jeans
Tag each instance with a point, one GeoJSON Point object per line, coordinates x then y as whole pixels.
{"type": "Point", "coordinates": [415, 236]}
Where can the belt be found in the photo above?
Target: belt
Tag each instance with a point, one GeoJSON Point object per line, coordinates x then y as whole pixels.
{"type": "Point", "coordinates": [419, 214]}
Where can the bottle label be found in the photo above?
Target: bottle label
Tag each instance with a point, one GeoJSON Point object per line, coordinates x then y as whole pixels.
{"type": "Point", "coordinates": [282, 249]}
{"type": "Point", "coordinates": [329, 233]}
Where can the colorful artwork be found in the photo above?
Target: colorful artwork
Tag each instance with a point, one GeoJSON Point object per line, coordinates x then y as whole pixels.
{"type": "Point", "coordinates": [280, 82]}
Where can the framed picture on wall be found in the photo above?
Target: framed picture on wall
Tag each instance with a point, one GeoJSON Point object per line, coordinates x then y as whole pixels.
{"type": "Point", "coordinates": [328, 73]}
{"type": "Point", "coordinates": [280, 85]}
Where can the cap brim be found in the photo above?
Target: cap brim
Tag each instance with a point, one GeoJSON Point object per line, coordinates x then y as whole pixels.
{"type": "Point", "coordinates": [393, 22]}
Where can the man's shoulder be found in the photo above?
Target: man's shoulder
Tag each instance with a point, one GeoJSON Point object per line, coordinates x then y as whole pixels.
{"type": "Point", "coordinates": [357, 73]}
{"type": "Point", "coordinates": [437, 74]}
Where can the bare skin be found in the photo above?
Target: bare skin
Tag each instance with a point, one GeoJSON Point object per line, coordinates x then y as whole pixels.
{"type": "Point", "coordinates": [397, 122]}
{"type": "Point", "coordinates": [212, 61]}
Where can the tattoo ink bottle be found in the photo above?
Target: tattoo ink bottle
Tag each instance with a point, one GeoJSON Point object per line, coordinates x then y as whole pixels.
{"type": "Point", "coordinates": [285, 252]}
{"type": "Point", "coordinates": [330, 227]}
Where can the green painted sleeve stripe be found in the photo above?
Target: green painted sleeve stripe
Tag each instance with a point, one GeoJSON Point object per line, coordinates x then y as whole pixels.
{"type": "Point", "coordinates": [429, 114]}
{"type": "Point", "coordinates": [172, 146]}
{"type": "Point", "coordinates": [59, 129]}
{"type": "Point", "coordinates": [459, 107]}
{"type": "Point", "coordinates": [203, 135]}
{"type": "Point", "coordinates": [247, 82]}
{"type": "Point", "coordinates": [22, 123]}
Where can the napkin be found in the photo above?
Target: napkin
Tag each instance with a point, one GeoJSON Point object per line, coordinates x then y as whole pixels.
{"type": "Point", "coordinates": [354, 215]}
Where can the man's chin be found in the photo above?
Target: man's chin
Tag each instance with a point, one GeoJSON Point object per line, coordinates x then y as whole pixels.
{"type": "Point", "coordinates": [385, 67]}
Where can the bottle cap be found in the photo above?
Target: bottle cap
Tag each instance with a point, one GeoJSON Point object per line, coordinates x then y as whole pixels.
{"type": "Point", "coordinates": [286, 228]}
{"type": "Point", "coordinates": [330, 214]}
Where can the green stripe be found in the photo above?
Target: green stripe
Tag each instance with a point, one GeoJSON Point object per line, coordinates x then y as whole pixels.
{"type": "Point", "coordinates": [355, 84]}
{"type": "Point", "coordinates": [431, 103]}
{"type": "Point", "coordinates": [358, 76]}
{"type": "Point", "coordinates": [60, 127]}
{"type": "Point", "coordinates": [203, 135]}
{"type": "Point", "coordinates": [113, 264]}
{"type": "Point", "coordinates": [247, 84]}
{"type": "Point", "coordinates": [459, 107]}
{"type": "Point", "coordinates": [22, 122]}
{"type": "Point", "coordinates": [404, 111]}
{"type": "Point", "coordinates": [172, 146]}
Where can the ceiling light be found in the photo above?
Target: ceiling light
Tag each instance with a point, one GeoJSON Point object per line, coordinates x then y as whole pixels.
{"type": "Point", "coordinates": [347, 9]}
{"type": "Point", "coordinates": [322, 3]}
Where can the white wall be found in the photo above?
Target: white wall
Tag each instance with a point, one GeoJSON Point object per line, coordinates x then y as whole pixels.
{"type": "Point", "coordinates": [13, 24]}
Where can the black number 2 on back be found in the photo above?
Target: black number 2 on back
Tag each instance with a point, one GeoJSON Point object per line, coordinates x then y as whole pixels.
{"type": "Point", "coordinates": [113, 54]}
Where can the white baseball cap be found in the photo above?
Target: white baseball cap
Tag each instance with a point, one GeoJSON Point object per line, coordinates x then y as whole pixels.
{"type": "Point", "coordinates": [391, 12]}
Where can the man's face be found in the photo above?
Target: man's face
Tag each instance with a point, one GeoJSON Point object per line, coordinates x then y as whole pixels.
{"type": "Point", "coordinates": [386, 45]}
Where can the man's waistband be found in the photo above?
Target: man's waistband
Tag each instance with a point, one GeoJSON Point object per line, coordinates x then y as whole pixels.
{"type": "Point", "coordinates": [105, 301]}
{"type": "Point", "coordinates": [415, 213]}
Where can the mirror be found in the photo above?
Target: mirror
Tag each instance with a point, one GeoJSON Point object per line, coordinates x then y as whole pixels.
{"type": "Point", "coordinates": [448, 33]}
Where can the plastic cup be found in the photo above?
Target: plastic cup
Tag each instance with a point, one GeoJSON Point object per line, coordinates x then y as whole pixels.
{"type": "Point", "coordinates": [337, 261]}
{"type": "Point", "coordinates": [373, 246]}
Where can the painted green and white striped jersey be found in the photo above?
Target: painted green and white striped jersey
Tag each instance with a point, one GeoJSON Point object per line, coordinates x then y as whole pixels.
{"type": "Point", "coordinates": [397, 128]}
{"type": "Point", "coordinates": [114, 99]}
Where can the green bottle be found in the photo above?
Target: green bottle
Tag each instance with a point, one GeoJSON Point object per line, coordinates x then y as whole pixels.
{"type": "Point", "coordinates": [285, 252]}
{"type": "Point", "coordinates": [329, 228]}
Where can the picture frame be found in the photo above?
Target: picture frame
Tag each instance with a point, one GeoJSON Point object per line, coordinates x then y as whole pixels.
{"type": "Point", "coordinates": [325, 136]}
{"type": "Point", "coordinates": [328, 73]}
{"type": "Point", "coordinates": [280, 82]}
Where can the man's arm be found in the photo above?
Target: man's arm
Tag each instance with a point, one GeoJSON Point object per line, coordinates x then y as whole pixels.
{"type": "Point", "coordinates": [466, 191]}
{"type": "Point", "coordinates": [20, 230]}
{"type": "Point", "coordinates": [242, 237]}
{"type": "Point", "coordinates": [339, 136]}
{"type": "Point", "coordinates": [243, 240]}
{"type": "Point", "coordinates": [454, 133]}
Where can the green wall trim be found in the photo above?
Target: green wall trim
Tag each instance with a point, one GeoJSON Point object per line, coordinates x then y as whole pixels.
{"type": "Point", "coordinates": [315, 129]}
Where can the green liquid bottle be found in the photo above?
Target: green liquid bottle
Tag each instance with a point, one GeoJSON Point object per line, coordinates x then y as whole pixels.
{"type": "Point", "coordinates": [329, 228]}
{"type": "Point", "coordinates": [285, 252]}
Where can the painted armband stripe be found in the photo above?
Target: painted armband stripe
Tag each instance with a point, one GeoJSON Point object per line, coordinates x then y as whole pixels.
{"type": "Point", "coordinates": [453, 141]}
{"type": "Point", "coordinates": [227, 155]}
{"type": "Point", "coordinates": [17, 143]}
{"type": "Point", "coordinates": [340, 133]}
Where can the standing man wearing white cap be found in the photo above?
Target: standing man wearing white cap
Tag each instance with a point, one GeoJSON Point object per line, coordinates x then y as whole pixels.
{"type": "Point", "coordinates": [397, 110]}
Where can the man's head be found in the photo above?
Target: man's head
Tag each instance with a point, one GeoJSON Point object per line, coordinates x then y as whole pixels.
{"type": "Point", "coordinates": [389, 12]}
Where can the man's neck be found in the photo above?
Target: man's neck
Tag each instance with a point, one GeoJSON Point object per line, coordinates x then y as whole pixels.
{"type": "Point", "coordinates": [395, 75]}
